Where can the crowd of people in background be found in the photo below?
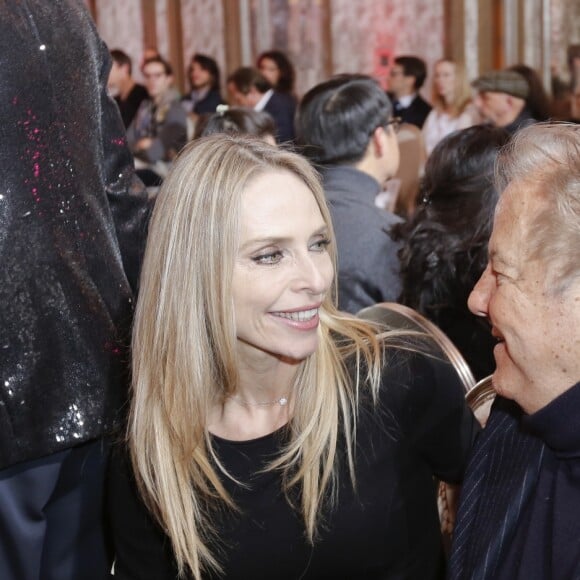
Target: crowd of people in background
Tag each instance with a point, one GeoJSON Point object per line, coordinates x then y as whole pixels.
{"type": "Point", "coordinates": [188, 387]}
{"type": "Point", "coordinates": [428, 257]}
{"type": "Point", "coordinates": [508, 98]}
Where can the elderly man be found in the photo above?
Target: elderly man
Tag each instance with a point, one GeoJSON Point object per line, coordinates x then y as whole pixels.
{"type": "Point", "coordinates": [500, 97]}
{"type": "Point", "coordinates": [519, 510]}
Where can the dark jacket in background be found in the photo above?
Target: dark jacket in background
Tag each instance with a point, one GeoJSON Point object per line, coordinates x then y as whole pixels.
{"type": "Point", "coordinates": [165, 123]}
{"type": "Point", "coordinates": [72, 220]}
{"type": "Point", "coordinates": [368, 264]}
{"type": "Point", "coordinates": [524, 119]}
{"type": "Point", "coordinates": [282, 107]}
{"type": "Point", "coordinates": [416, 113]}
{"type": "Point", "coordinates": [207, 104]}
{"type": "Point", "coordinates": [130, 105]}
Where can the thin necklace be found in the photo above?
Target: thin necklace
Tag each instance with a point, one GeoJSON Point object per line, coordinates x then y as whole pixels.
{"type": "Point", "coordinates": [282, 401]}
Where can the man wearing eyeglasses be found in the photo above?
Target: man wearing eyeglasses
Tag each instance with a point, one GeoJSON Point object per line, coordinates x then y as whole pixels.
{"type": "Point", "coordinates": [346, 126]}
{"type": "Point", "coordinates": [159, 129]}
{"type": "Point", "coordinates": [405, 80]}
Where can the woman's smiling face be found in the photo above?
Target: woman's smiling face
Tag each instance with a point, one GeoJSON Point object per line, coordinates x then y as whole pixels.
{"type": "Point", "coordinates": [283, 269]}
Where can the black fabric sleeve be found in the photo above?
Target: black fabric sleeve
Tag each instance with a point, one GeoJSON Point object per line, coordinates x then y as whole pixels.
{"type": "Point", "coordinates": [128, 200]}
{"type": "Point", "coordinates": [427, 399]}
{"type": "Point", "coordinates": [142, 550]}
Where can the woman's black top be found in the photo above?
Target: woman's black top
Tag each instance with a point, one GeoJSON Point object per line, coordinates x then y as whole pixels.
{"type": "Point", "coordinates": [387, 528]}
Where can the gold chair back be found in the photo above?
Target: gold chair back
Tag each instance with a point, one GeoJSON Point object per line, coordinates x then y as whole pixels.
{"type": "Point", "coordinates": [397, 316]}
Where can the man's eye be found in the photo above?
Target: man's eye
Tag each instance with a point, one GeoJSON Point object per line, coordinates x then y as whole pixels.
{"type": "Point", "coordinates": [269, 258]}
{"type": "Point", "coordinates": [499, 277]}
{"type": "Point", "coordinates": [320, 245]}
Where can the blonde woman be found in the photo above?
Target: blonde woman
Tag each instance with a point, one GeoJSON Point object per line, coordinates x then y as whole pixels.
{"type": "Point", "coordinates": [271, 436]}
{"type": "Point", "coordinates": [452, 107]}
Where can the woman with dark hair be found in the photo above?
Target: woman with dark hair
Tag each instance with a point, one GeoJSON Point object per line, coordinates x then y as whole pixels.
{"type": "Point", "coordinates": [204, 78]}
{"type": "Point", "coordinates": [445, 248]}
{"type": "Point", "coordinates": [237, 121]}
{"type": "Point", "coordinates": [538, 101]}
{"type": "Point", "coordinates": [279, 71]}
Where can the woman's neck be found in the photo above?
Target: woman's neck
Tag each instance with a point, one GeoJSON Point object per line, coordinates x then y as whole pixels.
{"type": "Point", "coordinates": [262, 403]}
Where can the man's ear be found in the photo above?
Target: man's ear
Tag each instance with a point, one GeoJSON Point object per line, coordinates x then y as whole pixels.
{"type": "Point", "coordinates": [378, 141]}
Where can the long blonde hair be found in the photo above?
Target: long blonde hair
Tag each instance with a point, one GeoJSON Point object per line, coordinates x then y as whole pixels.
{"type": "Point", "coordinates": [184, 356]}
{"type": "Point", "coordinates": [461, 93]}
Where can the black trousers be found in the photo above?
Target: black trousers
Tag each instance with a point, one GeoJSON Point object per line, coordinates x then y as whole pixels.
{"type": "Point", "coordinates": [52, 517]}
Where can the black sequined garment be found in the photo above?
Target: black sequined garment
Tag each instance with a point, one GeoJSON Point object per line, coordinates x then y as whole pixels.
{"type": "Point", "coordinates": [71, 220]}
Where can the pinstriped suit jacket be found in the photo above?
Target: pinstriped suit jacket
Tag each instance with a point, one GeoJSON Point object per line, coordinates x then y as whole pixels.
{"type": "Point", "coordinates": [519, 512]}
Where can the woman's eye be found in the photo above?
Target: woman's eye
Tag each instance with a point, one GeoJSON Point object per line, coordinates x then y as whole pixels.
{"type": "Point", "coordinates": [269, 258]}
{"type": "Point", "coordinates": [320, 245]}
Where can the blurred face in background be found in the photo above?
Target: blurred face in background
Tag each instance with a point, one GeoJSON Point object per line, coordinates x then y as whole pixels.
{"type": "Point", "coordinates": [157, 81]}
{"type": "Point", "coordinates": [117, 76]}
{"type": "Point", "coordinates": [270, 70]}
{"type": "Point", "coordinates": [399, 84]}
{"type": "Point", "coordinates": [444, 79]}
{"type": "Point", "coordinates": [494, 107]}
{"type": "Point", "coordinates": [239, 99]}
{"type": "Point", "coordinates": [200, 78]}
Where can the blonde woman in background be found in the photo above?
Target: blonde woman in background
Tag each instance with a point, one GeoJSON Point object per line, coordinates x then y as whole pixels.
{"type": "Point", "coordinates": [271, 436]}
{"type": "Point", "coordinates": [452, 107]}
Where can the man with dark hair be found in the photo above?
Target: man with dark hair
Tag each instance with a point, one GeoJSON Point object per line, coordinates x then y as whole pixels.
{"type": "Point", "coordinates": [247, 87]}
{"type": "Point", "coordinates": [127, 93]}
{"type": "Point", "coordinates": [345, 125]}
{"type": "Point", "coordinates": [407, 76]}
{"type": "Point", "coordinates": [204, 77]}
{"type": "Point", "coordinates": [159, 129]}
{"type": "Point", "coordinates": [72, 219]}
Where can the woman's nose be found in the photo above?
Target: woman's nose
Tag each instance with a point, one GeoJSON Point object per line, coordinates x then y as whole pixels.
{"type": "Point", "coordinates": [315, 273]}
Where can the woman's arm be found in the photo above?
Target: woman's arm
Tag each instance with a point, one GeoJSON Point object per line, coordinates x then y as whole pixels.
{"type": "Point", "coordinates": [142, 551]}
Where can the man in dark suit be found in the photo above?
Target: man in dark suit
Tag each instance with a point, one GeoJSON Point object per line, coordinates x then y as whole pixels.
{"type": "Point", "coordinates": [205, 94]}
{"type": "Point", "coordinates": [122, 86]}
{"type": "Point", "coordinates": [406, 78]}
{"type": "Point", "coordinates": [247, 87]}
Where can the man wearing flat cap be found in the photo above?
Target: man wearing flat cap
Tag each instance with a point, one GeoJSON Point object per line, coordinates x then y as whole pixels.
{"type": "Point", "coordinates": [501, 99]}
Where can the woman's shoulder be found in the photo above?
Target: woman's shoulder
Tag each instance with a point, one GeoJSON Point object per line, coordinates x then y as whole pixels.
{"type": "Point", "coordinates": [422, 402]}
{"type": "Point", "coordinates": [417, 362]}
{"type": "Point", "coordinates": [415, 380]}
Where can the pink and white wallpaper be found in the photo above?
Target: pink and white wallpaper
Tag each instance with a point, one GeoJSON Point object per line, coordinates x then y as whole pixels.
{"type": "Point", "coordinates": [359, 31]}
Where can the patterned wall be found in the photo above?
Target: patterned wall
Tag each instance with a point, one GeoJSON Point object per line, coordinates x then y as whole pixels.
{"type": "Point", "coordinates": [404, 27]}
{"type": "Point", "coordinates": [121, 26]}
{"type": "Point", "coordinates": [203, 29]}
{"type": "Point", "coordinates": [357, 29]}
{"type": "Point", "coordinates": [565, 25]}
